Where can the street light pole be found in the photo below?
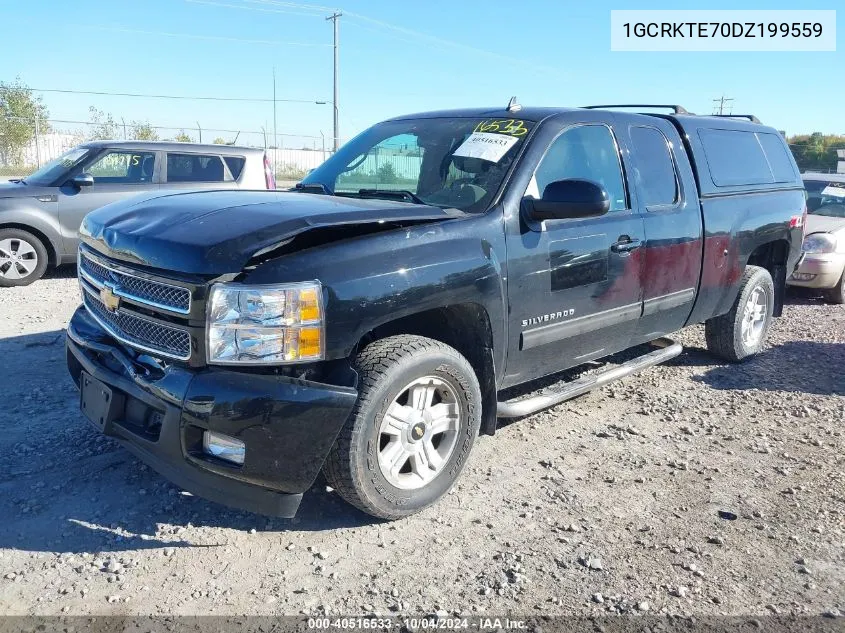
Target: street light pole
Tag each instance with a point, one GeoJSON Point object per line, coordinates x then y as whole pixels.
{"type": "Point", "coordinates": [334, 18]}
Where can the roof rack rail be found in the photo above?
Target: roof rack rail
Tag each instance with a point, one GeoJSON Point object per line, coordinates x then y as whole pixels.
{"type": "Point", "coordinates": [675, 108]}
{"type": "Point", "coordinates": [750, 117]}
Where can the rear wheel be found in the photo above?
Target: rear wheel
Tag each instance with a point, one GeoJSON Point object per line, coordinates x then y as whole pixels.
{"type": "Point", "coordinates": [742, 332]}
{"type": "Point", "coordinates": [23, 258]}
{"type": "Point", "coordinates": [837, 293]}
{"type": "Point", "coordinates": [412, 428]}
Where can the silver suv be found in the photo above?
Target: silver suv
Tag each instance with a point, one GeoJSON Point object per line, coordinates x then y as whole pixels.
{"type": "Point", "coordinates": [40, 214]}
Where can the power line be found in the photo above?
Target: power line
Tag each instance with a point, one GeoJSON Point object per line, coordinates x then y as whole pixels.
{"type": "Point", "coordinates": [185, 97]}
{"type": "Point", "coordinates": [199, 37]}
{"type": "Point", "coordinates": [248, 8]}
{"type": "Point", "coordinates": [174, 127]}
{"type": "Point", "coordinates": [288, 7]}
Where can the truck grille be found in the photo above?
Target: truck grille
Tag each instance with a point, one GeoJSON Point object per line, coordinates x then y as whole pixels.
{"type": "Point", "coordinates": [147, 291]}
{"type": "Point", "coordinates": [137, 331]}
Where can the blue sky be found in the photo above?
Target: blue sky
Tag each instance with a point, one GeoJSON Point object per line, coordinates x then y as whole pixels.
{"type": "Point", "coordinates": [395, 57]}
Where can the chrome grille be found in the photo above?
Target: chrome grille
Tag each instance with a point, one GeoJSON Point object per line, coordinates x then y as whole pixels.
{"type": "Point", "coordinates": [153, 293]}
{"type": "Point", "coordinates": [137, 331]}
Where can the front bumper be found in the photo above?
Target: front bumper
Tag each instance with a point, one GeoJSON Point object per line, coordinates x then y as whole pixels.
{"type": "Point", "coordinates": [826, 270]}
{"type": "Point", "coordinates": [288, 424]}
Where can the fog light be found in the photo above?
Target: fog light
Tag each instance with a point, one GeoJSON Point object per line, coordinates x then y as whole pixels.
{"type": "Point", "coordinates": [803, 276]}
{"type": "Point", "coordinates": [223, 447]}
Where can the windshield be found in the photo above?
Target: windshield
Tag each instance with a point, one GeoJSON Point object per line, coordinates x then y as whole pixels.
{"type": "Point", "coordinates": [457, 163]}
{"type": "Point", "coordinates": [825, 198]}
{"type": "Point", "coordinates": [56, 168]}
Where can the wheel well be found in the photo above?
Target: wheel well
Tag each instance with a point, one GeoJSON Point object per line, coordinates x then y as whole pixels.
{"type": "Point", "coordinates": [52, 258]}
{"type": "Point", "coordinates": [466, 327]}
{"type": "Point", "coordinates": [773, 257]}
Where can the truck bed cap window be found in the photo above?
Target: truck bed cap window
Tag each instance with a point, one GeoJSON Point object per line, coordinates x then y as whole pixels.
{"type": "Point", "coordinates": [741, 157]}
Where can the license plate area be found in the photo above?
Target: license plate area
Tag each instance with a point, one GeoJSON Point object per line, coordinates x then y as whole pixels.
{"type": "Point", "coordinates": [99, 402]}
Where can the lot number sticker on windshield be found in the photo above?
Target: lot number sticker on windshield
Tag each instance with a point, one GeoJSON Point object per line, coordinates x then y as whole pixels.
{"type": "Point", "coordinates": [837, 192]}
{"type": "Point", "coordinates": [486, 146]}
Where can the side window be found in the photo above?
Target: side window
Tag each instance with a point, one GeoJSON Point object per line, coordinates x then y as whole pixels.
{"type": "Point", "coordinates": [654, 170]}
{"type": "Point", "coordinates": [195, 168]}
{"type": "Point", "coordinates": [588, 152]}
{"type": "Point", "coordinates": [118, 167]}
{"type": "Point", "coordinates": [393, 164]}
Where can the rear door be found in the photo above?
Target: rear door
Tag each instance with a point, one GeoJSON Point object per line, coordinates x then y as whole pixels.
{"type": "Point", "coordinates": [574, 285]}
{"type": "Point", "coordinates": [118, 174]}
{"type": "Point", "coordinates": [667, 199]}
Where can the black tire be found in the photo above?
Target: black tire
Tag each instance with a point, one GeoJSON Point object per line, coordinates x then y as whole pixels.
{"type": "Point", "coordinates": [386, 367]}
{"type": "Point", "coordinates": [724, 333]}
{"type": "Point", "coordinates": [39, 251]}
{"type": "Point", "coordinates": [837, 293]}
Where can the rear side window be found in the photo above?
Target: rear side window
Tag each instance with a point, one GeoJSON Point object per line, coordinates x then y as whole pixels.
{"type": "Point", "coordinates": [779, 157]}
{"type": "Point", "coordinates": [654, 170]}
{"type": "Point", "coordinates": [735, 157]}
{"type": "Point", "coordinates": [195, 168]}
{"type": "Point", "coordinates": [235, 165]}
{"type": "Point", "coordinates": [738, 157]}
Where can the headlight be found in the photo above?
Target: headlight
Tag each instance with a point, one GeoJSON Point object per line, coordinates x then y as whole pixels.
{"type": "Point", "coordinates": [819, 243]}
{"type": "Point", "coordinates": [264, 325]}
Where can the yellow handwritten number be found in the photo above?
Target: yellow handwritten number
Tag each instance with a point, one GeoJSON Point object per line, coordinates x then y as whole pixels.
{"type": "Point", "coordinates": [511, 127]}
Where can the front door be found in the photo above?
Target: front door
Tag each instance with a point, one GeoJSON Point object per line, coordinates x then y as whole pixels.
{"type": "Point", "coordinates": [117, 174]}
{"type": "Point", "coordinates": [574, 285]}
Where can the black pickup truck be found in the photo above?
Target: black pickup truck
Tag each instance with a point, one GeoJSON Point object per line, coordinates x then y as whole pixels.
{"type": "Point", "coordinates": [366, 323]}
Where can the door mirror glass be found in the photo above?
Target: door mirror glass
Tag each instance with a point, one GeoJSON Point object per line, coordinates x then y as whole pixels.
{"type": "Point", "coordinates": [569, 199]}
{"type": "Point", "coordinates": [82, 180]}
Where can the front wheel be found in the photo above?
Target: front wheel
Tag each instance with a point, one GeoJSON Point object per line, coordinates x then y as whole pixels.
{"type": "Point", "coordinates": [23, 258]}
{"type": "Point", "coordinates": [742, 332]}
{"type": "Point", "coordinates": [411, 430]}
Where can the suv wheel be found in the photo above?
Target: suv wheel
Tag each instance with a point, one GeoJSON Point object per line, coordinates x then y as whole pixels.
{"type": "Point", "coordinates": [412, 428]}
{"type": "Point", "coordinates": [23, 258]}
{"type": "Point", "coordinates": [742, 332]}
{"type": "Point", "coordinates": [837, 293]}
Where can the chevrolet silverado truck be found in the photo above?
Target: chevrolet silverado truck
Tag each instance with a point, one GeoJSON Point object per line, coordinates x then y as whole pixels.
{"type": "Point", "coordinates": [368, 322]}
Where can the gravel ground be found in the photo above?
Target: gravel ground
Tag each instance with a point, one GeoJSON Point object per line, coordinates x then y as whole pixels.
{"type": "Point", "coordinates": [610, 503]}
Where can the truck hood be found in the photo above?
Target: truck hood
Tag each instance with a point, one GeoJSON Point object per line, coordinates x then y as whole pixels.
{"type": "Point", "coordinates": [217, 232]}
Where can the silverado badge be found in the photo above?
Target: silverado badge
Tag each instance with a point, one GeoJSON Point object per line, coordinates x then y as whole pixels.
{"type": "Point", "coordinates": [109, 299]}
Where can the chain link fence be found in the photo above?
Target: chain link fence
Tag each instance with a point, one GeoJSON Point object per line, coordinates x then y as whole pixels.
{"type": "Point", "coordinates": [27, 144]}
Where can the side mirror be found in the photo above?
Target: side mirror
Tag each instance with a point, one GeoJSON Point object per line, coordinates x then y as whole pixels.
{"type": "Point", "coordinates": [82, 180]}
{"type": "Point", "coordinates": [569, 199]}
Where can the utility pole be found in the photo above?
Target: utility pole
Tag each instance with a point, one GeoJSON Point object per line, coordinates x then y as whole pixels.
{"type": "Point", "coordinates": [719, 104]}
{"type": "Point", "coordinates": [334, 18]}
{"type": "Point", "coordinates": [275, 132]}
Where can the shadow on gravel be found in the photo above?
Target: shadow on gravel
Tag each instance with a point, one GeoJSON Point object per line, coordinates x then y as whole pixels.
{"type": "Point", "coordinates": [799, 366]}
{"type": "Point", "coordinates": [66, 488]}
{"type": "Point", "coordinates": [68, 271]}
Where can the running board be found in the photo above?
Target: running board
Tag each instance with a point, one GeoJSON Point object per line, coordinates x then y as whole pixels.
{"type": "Point", "coordinates": [518, 407]}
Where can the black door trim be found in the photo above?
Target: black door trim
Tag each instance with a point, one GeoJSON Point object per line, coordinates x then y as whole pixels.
{"type": "Point", "coordinates": [667, 302]}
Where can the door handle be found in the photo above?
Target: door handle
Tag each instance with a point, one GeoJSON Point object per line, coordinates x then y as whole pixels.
{"type": "Point", "coordinates": [625, 245]}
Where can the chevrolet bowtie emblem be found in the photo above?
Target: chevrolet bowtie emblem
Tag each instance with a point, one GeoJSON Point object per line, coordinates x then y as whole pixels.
{"type": "Point", "coordinates": [418, 432]}
{"type": "Point", "coordinates": [109, 299]}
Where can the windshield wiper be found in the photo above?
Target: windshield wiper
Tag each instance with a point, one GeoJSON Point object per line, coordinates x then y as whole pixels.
{"type": "Point", "coordinates": [392, 194]}
{"type": "Point", "coordinates": [305, 187]}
